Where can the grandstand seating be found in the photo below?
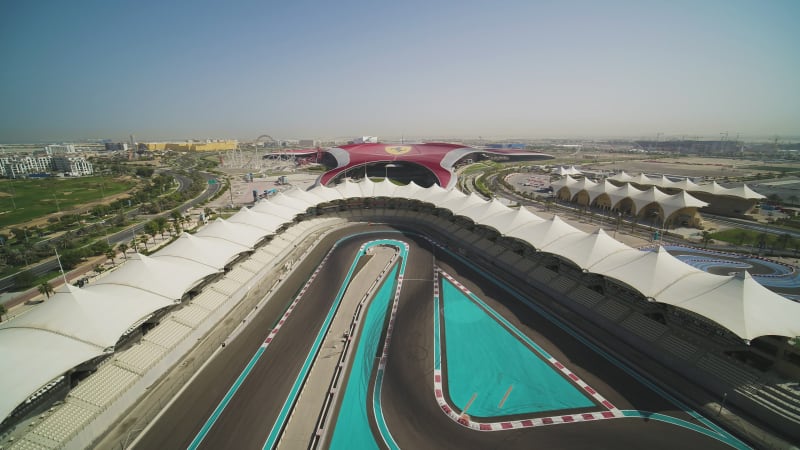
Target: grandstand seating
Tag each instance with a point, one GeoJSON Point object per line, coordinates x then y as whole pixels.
{"type": "Point", "coordinates": [510, 258]}
{"type": "Point", "coordinates": [561, 284]}
{"type": "Point", "coordinates": [466, 235]}
{"type": "Point", "coordinates": [679, 347]}
{"type": "Point", "coordinates": [644, 327]}
{"type": "Point", "coordinates": [226, 286]}
{"type": "Point", "coordinates": [495, 250]}
{"type": "Point", "coordinates": [780, 400]}
{"type": "Point", "coordinates": [167, 334]}
{"type": "Point", "coordinates": [484, 244]}
{"type": "Point", "coordinates": [612, 309]}
{"type": "Point", "coordinates": [27, 443]}
{"type": "Point", "coordinates": [140, 357]}
{"type": "Point", "coordinates": [190, 315]}
{"type": "Point", "coordinates": [728, 371]}
{"type": "Point", "coordinates": [541, 274]}
{"type": "Point", "coordinates": [104, 386]}
{"type": "Point", "coordinates": [525, 265]}
{"type": "Point", "coordinates": [64, 423]}
{"type": "Point", "coordinates": [264, 255]}
{"type": "Point", "coordinates": [240, 275]}
{"type": "Point", "coordinates": [252, 265]}
{"type": "Point", "coordinates": [585, 296]}
{"type": "Point", "coordinates": [210, 299]}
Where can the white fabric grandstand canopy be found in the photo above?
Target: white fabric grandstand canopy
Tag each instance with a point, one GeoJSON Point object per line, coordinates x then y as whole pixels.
{"type": "Point", "coordinates": [742, 191]}
{"type": "Point", "coordinates": [238, 233]}
{"type": "Point", "coordinates": [669, 204]}
{"type": "Point", "coordinates": [49, 342]}
{"type": "Point", "coordinates": [213, 253]}
{"type": "Point", "coordinates": [161, 276]}
{"type": "Point", "coordinates": [266, 222]}
{"type": "Point", "coordinates": [96, 317]}
{"type": "Point", "coordinates": [571, 170]}
{"type": "Point", "coordinates": [32, 358]}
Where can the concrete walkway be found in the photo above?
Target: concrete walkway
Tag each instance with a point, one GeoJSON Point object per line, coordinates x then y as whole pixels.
{"type": "Point", "coordinates": [303, 420]}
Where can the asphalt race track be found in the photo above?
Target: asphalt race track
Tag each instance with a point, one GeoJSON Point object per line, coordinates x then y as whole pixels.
{"type": "Point", "coordinates": [414, 417]}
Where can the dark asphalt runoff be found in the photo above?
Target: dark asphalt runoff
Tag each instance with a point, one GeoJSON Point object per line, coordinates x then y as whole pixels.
{"type": "Point", "coordinates": [411, 411]}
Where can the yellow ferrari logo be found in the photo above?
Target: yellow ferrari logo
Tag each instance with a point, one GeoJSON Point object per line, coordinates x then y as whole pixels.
{"type": "Point", "coordinates": [398, 149]}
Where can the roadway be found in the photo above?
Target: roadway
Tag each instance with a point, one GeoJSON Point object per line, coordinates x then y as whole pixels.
{"type": "Point", "coordinates": [411, 411]}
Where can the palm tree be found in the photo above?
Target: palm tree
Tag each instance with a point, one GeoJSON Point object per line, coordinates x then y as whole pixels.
{"type": "Point", "coordinates": [2, 311]}
{"type": "Point", "coordinates": [706, 238]}
{"type": "Point", "coordinates": [143, 240]}
{"type": "Point", "coordinates": [110, 254]}
{"type": "Point", "coordinates": [123, 247]}
{"type": "Point", "coordinates": [45, 289]}
{"type": "Point", "coordinates": [161, 225]}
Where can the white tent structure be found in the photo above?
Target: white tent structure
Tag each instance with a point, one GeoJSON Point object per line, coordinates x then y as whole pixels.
{"type": "Point", "coordinates": [640, 199]}
{"type": "Point", "coordinates": [266, 222]}
{"type": "Point", "coordinates": [213, 253]}
{"type": "Point", "coordinates": [564, 171]}
{"type": "Point", "coordinates": [169, 279]}
{"type": "Point", "coordinates": [743, 191]}
{"type": "Point", "coordinates": [238, 233]}
{"type": "Point", "coordinates": [81, 324]}
{"type": "Point", "coordinates": [74, 326]}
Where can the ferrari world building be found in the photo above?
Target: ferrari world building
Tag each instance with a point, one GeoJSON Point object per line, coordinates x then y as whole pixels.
{"type": "Point", "coordinates": [424, 164]}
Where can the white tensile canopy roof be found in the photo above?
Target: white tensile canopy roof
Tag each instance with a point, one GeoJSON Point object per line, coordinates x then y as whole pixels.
{"type": "Point", "coordinates": [265, 222]}
{"type": "Point", "coordinates": [214, 253]}
{"type": "Point", "coordinates": [296, 205]}
{"type": "Point", "coordinates": [662, 181]}
{"type": "Point", "coordinates": [586, 250]}
{"type": "Point", "coordinates": [32, 358]}
{"type": "Point", "coordinates": [326, 194]}
{"type": "Point", "coordinates": [511, 220]}
{"type": "Point", "coordinates": [737, 302]}
{"type": "Point", "coordinates": [89, 316]}
{"type": "Point", "coordinates": [457, 200]}
{"type": "Point", "coordinates": [647, 272]}
{"type": "Point", "coordinates": [307, 198]}
{"type": "Point", "coordinates": [238, 233]}
{"type": "Point", "coordinates": [540, 234]}
{"type": "Point", "coordinates": [571, 170]}
{"type": "Point", "coordinates": [348, 189]}
{"type": "Point", "coordinates": [167, 278]}
{"type": "Point", "coordinates": [483, 210]}
{"type": "Point", "coordinates": [384, 188]}
{"type": "Point", "coordinates": [277, 209]}
{"type": "Point", "coordinates": [641, 198]}
{"type": "Point", "coordinates": [79, 324]}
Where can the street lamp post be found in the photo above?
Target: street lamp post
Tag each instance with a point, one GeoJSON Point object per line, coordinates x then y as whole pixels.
{"type": "Point", "coordinates": [386, 169]}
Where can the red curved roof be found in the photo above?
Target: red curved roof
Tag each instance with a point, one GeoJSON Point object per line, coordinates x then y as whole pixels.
{"type": "Point", "coordinates": [436, 157]}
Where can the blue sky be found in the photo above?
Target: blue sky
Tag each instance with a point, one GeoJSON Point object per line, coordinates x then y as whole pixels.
{"type": "Point", "coordinates": [318, 69]}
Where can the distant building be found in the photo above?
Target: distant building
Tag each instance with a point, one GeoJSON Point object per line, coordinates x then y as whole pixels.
{"type": "Point", "coordinates": [306, 143]}
{"type": "Point", "coordinates": [365, 140]}
{"type": "Point", "coordinates": [116, 146]}
{"type": "Point", "coordinates": [193, 146]}
{"type": "Point", "coordinates": [18, 166]}
{"type": "Point", "coordinates": [74, 166]}
{"type": "Point", "coordinates": [59, 149]}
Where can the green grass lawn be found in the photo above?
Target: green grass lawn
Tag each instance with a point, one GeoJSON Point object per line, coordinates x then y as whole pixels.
{"type": "Point", "coordinates": [25, 200]}
{"type": "Point", "coordinates": [749, 237]}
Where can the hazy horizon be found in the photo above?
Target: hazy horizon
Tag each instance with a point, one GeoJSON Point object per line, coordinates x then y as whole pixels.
{"type": "Point", "coordinates": [319, 70]}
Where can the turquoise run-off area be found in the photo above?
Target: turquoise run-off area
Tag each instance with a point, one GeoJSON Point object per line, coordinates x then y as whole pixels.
{"type": "Point", "coordinates": [490, 367]}
{"type": "Point", "coordinates": [352, 425]}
